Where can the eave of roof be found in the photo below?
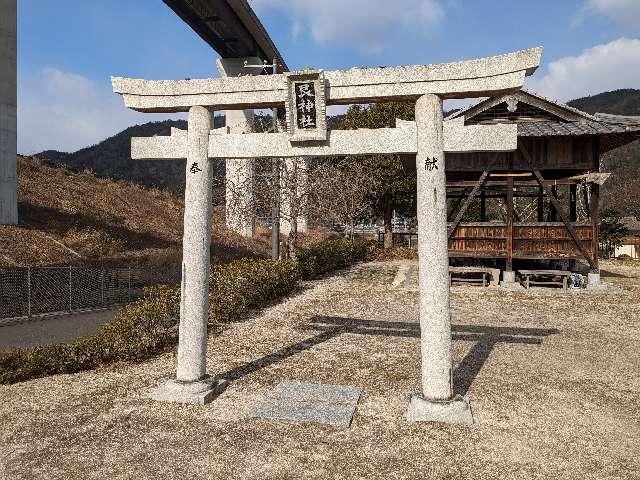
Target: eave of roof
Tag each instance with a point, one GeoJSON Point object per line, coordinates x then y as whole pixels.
{"type": "Point", "coordinates": [621, 119]}
{"type": "Point", "coordinates": [564, 129]}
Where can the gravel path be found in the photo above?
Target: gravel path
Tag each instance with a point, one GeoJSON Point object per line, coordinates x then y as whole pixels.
{"type": "Point", "coordinates": [553, 380]}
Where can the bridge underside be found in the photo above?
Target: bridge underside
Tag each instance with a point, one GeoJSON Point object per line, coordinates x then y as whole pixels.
{"type": "Point", "coordinates": [230, 27]}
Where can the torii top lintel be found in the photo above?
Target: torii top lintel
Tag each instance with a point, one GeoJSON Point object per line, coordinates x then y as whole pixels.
{"type": "Point", "coordinates": [472, 78]}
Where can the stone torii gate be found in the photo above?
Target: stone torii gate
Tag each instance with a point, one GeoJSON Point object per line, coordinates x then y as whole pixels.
{"type": "Point", "coordinates": [305, 95]}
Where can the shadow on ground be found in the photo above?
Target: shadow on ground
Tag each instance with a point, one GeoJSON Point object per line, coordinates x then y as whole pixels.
{"type": "Point", "coordinates": [486, 337]}
{"type": "Point", "coordinates": [609, 274]}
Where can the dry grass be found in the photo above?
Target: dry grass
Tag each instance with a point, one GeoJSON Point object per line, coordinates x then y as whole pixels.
{"type": "Point", "coordinates": [557, 400]}
{"type": "Point", "coordinates": [104, 221]}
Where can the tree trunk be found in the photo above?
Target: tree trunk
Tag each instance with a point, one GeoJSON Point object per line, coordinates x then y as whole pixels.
{"type": "Point", "coordinates": [388, 227]}
{"type": "Point", "coordinates": [292, 239]}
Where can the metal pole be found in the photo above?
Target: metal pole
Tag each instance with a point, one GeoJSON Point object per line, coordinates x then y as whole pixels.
{"type": "Point", "coordinates": [70, 292]}
{"type": "Point", "coordinates": [102, 288]}
{"type": "Point", "coordinates": [275, 212]}
{"type": "Point", "coordinates": [29, 292]}
{"type": "Point", "coordinates": [275, 209]}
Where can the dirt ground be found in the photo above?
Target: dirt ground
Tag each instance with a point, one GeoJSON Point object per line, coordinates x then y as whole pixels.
{"type": "Point", "coordinates": [553, 380]}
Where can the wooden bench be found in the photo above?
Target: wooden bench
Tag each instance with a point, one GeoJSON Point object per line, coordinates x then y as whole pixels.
{"type": "Point", "coordinates": [527, 274]}
{"type": "Point", "coordinates": [494, 273]}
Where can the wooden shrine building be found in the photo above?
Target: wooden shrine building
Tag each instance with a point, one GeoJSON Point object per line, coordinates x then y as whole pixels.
{"type": "Point", "coordinates": [541, 201]}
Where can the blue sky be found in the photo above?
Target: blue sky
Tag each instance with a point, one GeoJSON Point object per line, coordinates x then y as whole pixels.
{"type": "Point", "coordinates": [68, 49]}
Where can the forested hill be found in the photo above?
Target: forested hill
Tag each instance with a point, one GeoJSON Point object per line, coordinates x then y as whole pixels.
{"type": "Point", "coordinates": [621, 192]}
{"type": "Point", "coordinates": [618, 102]}
{"type": "Point", "coordinates": [111, 158]}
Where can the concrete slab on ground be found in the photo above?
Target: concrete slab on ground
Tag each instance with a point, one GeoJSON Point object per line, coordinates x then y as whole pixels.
{"type": "Point", "coordinates": [310, 402]}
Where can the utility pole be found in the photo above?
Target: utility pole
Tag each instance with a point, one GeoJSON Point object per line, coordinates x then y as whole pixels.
{"type": "Point", "coordinates": [275, 209]}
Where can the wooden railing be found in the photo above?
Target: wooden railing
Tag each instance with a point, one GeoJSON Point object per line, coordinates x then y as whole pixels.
{"type": "Point", "coordinates": [530, 240]}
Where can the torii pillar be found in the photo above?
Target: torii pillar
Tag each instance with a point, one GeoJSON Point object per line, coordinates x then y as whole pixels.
{"type": "Point", "coordinates": [436, 402]}
{"type": "Point", "coordinates": [192, 384]}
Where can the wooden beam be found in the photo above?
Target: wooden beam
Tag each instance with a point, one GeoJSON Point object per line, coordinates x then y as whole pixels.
{"type": "Point", "coordinates": [509, 226]}
{"type": "Point", "coordinates": [553, 211]}
{"type": "Point", "coordinates": [595, 220]}
{"type": "Point", "coordinates": [457, 204]}
{"type": "Point", "coordinates": [471, 196]}
{"type": "Point", "coordinates": [494, 195]}
{"type": "Point", "coordinates": [573, 191]}
{"type": "Point", "coordinates": [517, 183]}
{"type": "Point", "coordinates": [567, 225]}
{"type": "Point", "coordinates": [511, 174]}
{"type": "Point", "coordinates": [595, 209]}
{"type": "Point", "coordinates": [525, 153]}
{"type": "Point", "coordinates": [598, 177]}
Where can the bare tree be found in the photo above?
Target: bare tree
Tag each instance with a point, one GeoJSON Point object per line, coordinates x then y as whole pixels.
{"type": "Point", "coordinates": [340, 190]}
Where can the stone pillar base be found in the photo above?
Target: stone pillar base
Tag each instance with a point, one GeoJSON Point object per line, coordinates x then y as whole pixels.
{"type": "Point", "coordinates": [197, 393]}
{"type": "Point", "coordinates": [508, 277]}
{"type": "Point", "coordinates": [457, 410]}
{"type": "Point", "coordinates": [509, 281]}
{"type": "Point", "coordinates": [593, 281]}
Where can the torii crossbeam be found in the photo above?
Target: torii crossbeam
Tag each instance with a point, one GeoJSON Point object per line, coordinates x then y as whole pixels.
{"type": "Point", "coordinates": [305, 95]}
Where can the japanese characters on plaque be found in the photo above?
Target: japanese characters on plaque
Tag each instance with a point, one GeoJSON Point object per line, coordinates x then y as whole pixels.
{"type": "Point", "coordinates": [306, 108]}
{"type": "Point", "coordinates": [306, 105]}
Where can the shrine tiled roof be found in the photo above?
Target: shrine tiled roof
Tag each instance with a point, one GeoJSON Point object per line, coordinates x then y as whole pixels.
{"type": "Point", "coordinates": [632, 224]}
{"type": "Point", "coordinates": [564, 129]}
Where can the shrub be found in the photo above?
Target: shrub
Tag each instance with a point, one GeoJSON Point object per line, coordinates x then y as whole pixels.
{"type": "Point", "coordinates": [395, 253]}
{"type": "Point", "coordinates": [137, 331]}
{"type": "Point", "coordinates": [244, 285]}
{"type": "Point", "coordinates": [332, 255]}
{"type": "Point", "coordinates": [150, 325]}
{"type": "Point", "coordinates": [144, 327]}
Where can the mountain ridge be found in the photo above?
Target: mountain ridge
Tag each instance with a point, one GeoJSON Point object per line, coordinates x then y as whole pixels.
{"type": "Point", "coordinates": [111, 158]}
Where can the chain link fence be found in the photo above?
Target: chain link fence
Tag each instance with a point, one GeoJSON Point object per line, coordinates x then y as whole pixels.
{"type": "Point", "coordinates": [31, 291]}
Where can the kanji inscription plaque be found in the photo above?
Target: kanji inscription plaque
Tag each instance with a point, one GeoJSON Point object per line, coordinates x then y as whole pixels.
{"type": "Point", "coordinates": [306, 107]}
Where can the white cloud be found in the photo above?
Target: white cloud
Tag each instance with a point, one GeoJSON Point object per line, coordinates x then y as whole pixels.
{"type": "Point", "coordinates": [364, 24]}
{"type": "Point", "coordinates": [624, 12]}
{"type": "Point", "coordinates": [64, 111]}
{"type": "Point", "coordinates": [598, 69]}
